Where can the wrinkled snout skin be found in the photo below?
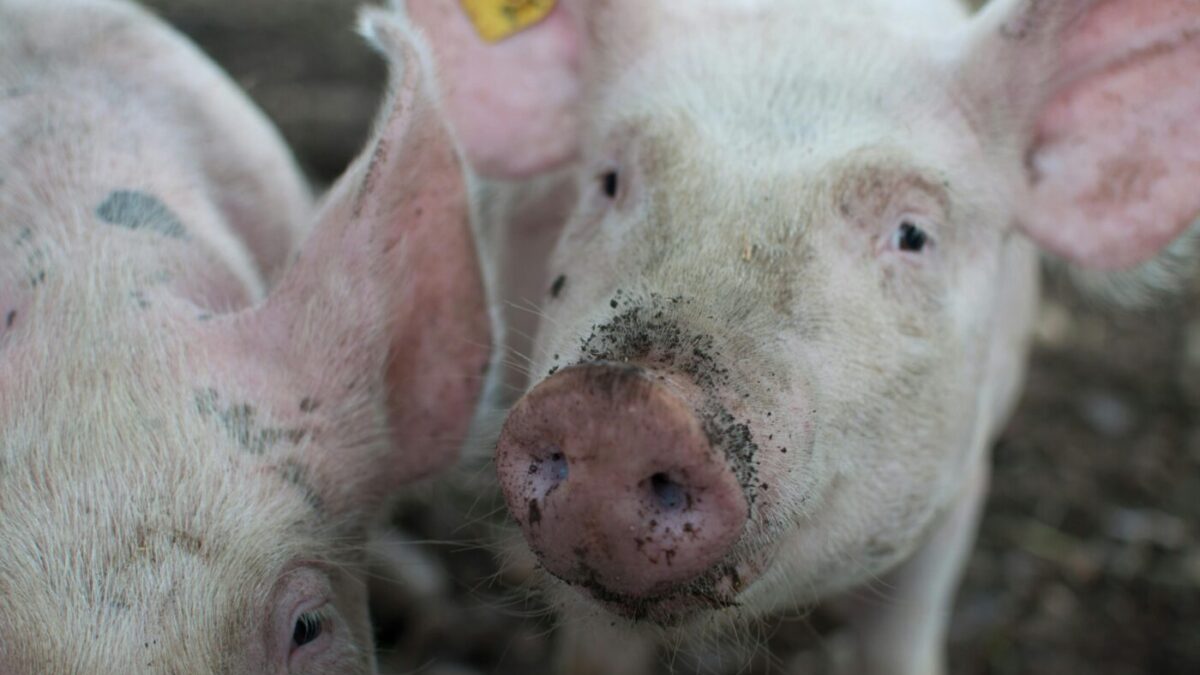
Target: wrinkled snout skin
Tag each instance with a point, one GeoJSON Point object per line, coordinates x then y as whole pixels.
{"type": "Point", "coordinates": [790, 306]}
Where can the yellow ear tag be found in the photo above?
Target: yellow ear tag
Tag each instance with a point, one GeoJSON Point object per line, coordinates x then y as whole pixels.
{"type": "Point", "coordinates": [497, 19]}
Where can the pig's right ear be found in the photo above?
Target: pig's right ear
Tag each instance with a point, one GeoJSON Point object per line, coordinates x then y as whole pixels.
{"type": "Point", "coordinates": [380, 326]}
{"type": "Point", "coordinates": [1099, 99]}
{"type": "Point", "coordinates": [513, 103]}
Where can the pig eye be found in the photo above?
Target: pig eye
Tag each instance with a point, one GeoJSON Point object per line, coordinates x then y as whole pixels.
{"type": "Point", "coordinates": [609, 183]}
{"type": "Point", "coordinates": [308, 628]}
{"type": "Point", "coordinates": [908, 237]}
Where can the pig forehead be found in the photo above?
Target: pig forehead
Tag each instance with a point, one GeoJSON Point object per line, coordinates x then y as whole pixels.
{"type": "Point", "coordinates": [771, 88]}
{"type": "Point", "coordinates": [119, 497]}
{"type": "Point", "coordinates": [135, 566]}
{"type": "Point", "coordinates": [183, 613]}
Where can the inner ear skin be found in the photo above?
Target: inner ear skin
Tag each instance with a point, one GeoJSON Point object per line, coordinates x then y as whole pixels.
{"type": "Point", "coordinates": [1106, 90]}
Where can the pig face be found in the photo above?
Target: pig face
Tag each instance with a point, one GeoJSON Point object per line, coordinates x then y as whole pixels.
{"type": "Point", "coordinates": [189, 490]}
{"type": "Point", "coordinates": [771, 341]}
{"type": "Point", "coordinates": [820, 297]}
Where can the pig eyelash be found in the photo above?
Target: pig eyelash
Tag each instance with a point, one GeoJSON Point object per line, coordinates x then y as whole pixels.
{"type": "Point", "coordinates": [309, 627]}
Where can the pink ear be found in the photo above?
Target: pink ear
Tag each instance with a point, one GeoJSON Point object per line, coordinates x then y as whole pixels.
{"type": "Point", "coordinates": [1112, 90]}
{"type": "Point", "coordinates": [513, 104]}
{"type": "Point", "coordinates": [382, 318]}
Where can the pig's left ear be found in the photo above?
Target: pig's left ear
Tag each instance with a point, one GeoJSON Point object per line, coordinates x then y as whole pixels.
{"type": "Point", "coordinates": [382, 319]}
{"type": "Point", "coordinates": [1103, 97]}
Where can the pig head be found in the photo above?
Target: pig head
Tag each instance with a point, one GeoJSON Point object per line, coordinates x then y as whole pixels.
{"type": "Point", "coordinates": [790, 307]}
{"type": "Point", "coordinates": [189, 462]}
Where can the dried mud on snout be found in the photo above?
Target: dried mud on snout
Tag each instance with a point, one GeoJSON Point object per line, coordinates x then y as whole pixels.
{"type": "Point", "coordinates": [647, 332]}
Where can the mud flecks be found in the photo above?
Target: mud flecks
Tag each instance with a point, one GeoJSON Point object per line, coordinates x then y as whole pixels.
{"type": "Point", "coordinates": [646, 333]}
{"type": "Point", "coordinates": [737, 442]}
{"type": "Point", "coordinates": [645, 329]}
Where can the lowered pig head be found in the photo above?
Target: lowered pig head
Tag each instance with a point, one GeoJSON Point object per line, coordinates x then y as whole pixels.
{"type": "Point", "coordinates": [791, 306]}
{"type": "Point", "coordinates": [188, 486]}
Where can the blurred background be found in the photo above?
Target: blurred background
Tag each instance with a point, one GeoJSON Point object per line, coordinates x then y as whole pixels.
{"type": "Point", "coordinates": [1089, 556]}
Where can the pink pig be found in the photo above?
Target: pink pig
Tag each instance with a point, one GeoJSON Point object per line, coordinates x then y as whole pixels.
{"type": "Point", "coordinates": [794, 280]}
{"type": "Point", "coordinates": [201, 417]}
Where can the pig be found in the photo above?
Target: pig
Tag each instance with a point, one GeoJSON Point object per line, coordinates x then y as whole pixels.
{"type": "Point", "coordinates": [203, 409]}
{"type": "Point", "coordinates": [788, 305]}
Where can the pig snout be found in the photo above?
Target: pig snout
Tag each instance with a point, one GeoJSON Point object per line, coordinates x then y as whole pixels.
{"type": "Point", "coordinates": [616, 485]}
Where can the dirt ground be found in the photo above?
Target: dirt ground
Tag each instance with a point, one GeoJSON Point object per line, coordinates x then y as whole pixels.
{"type": "Point", "coordinates": [1089, 556]}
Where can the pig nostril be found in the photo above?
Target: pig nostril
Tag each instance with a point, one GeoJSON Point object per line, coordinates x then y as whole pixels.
{"type": "Point", "coordinates": [547, 472]}
{"type": "Point", "coordinates": [556, 467]}
{"type": "Point", "coordinates": [668, 494]}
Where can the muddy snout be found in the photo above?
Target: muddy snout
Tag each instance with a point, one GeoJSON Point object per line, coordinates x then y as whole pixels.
{"type": "Point", "coordinates": [608, 470]}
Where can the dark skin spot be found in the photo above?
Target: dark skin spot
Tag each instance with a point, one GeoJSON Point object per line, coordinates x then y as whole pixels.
{"type": "Point", "coordinates": [10, 318]}
{"type": "Point", "coordinates": [139, 297]}
{"type": "Point", "coordinates": [297, 475]}
{"type": "Point", "coordinates": [557, 286]}
{"type": "Point", "coordinates": [139, 210]}
{"type": "Point", "coordinates": [148, 540]}
{"type": "Point", "coordinates": [35, 258]}
{"type": "Point", "coordinates": [187, 541]}
{"type": "Point", "coordinates": [309, 404]}
{"type": "Point", "coordinates": [239, 421]}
